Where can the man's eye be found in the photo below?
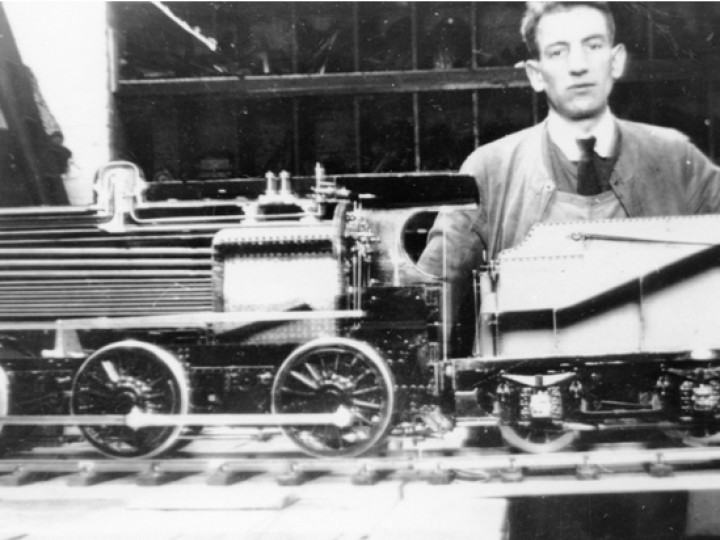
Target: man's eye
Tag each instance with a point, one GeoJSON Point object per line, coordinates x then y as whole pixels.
{"type": "Point", "coordinates": [595, 45]}
{"type": "Point", "coordinates": [556, 53]}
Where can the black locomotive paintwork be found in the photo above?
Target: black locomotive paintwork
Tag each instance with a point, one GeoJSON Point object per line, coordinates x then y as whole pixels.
{"type": "Point", "coordinates": [79, 286]}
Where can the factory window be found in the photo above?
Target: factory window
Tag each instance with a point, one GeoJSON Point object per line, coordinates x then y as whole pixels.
{"type": "Point", "coordinates": [233, 89]}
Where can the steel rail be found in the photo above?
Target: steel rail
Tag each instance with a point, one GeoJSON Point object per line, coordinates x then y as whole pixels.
{"type": "Point", "coordinates": [617, 470]}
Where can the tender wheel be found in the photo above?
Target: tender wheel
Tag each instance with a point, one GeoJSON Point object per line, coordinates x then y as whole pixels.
{"type": "Point", "coordinates": [326, 374]}
{"type": "Point", "coordinates": [697, 436]}
{"type": "Point", "coordinates": [538, 438]}
{"type": "Point", "coordinates": [121, 377]}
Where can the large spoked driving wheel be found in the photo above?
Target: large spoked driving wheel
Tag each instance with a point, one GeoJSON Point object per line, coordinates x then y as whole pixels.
{"type": "Point", "coordinates": [538, 438]}
{"type": "Point", "coordinates": [326, 375]}
{"type": "Point", "coordinates": [124, 377]}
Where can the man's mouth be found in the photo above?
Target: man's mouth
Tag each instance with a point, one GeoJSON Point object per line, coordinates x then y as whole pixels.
{"type": "Point", "coordinates": [581, 87]}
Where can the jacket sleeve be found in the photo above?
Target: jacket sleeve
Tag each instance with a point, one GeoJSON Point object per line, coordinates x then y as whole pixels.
{"type": "Point", "coordinates": [454, 249]}
{"type": "Point", "coordinates": [703, 182]}
{"type": "Point", "coordinates": [455, 243]}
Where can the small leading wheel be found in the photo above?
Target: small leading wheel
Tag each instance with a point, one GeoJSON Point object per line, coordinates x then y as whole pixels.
{"type": "Point", "coordinates": [125, 376]}
{"type": "Point", "coordinates": [325, 375]}
{"type": "Point", "coordinates": [538, 438]}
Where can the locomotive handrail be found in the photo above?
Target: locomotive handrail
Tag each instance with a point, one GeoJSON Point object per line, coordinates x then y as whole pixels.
{"type": "Point", "coordinates": [185, 320]}
{"type": "Point", "coordinates": [618, 238]}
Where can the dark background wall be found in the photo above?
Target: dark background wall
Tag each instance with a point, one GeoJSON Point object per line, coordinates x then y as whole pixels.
{"type": "Point", "coordinates": [373, 86]}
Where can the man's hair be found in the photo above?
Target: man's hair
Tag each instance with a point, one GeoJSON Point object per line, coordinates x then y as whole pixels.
{"type": "Point", "coordinates": [537, 10]}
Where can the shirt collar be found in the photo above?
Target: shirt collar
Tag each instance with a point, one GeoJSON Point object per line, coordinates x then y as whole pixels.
{"type": "Point", "coordinates": [563, 134]}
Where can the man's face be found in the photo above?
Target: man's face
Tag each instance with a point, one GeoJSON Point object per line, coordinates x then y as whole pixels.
{"type": "Point", "coordinates": [578, 63]}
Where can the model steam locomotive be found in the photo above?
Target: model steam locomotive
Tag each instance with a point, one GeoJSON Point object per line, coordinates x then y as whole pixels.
{"type": "Point", "coordinates": [166, 308]}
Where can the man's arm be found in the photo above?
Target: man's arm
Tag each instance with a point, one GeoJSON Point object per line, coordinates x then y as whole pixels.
{"type": "Point", "coordinates": [453, 251]}
{"type": "Point", "coordinates": [454, 247]}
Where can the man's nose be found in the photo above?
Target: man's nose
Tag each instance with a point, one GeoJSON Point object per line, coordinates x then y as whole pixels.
{"type": "Point", "coordinates": [577, 60]}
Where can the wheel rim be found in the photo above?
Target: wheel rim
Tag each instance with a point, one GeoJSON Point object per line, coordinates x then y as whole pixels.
{"type": "Point", "coordinates": [327, 374]}
{"type": "Point", "coordinates": [697, 437]}
{"type": "Point", "coordinates": [125, 376]}
{"type": "Point", "coordinates": [537, 439]}
{"type": "Point", "coordinates": [4, 397]}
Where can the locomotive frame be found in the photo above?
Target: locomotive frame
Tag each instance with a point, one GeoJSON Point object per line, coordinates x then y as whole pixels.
{"type": "Point", "coordinates": [163, 309]}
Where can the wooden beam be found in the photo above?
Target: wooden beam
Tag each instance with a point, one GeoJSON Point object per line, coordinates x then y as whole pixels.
{"type": "Point", "coordinates": [358, 83]}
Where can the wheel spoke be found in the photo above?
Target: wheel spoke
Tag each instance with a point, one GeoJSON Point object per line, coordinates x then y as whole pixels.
{"type": "Point", "coordinates": [124, 375]}
{"type": "Point", "coordinates": [366, 405]}
{"type": "Point", "coordinates": [363, 375]}
{"type": "Point", "coordinates": [94, 378]}
{"type": "Point", "coordinates": [360, 416]}
{"type": "Point", "coordinates": [119, 365]}
{"type": "Point", "coordinates": [294, 392]}
{"type": "Point", "coordinates": [323, 367]}
{"type": "Point", "coordinates": [332, 372]}
{"type": "Point", "coordinates": [110, 371]}
{"type": "Point", "coordinates": [355, 359]}
{"type": "Point", "coordinates": [158, 381]}
{"type": "Point", "coordinates": [313, 372]}
{"type": "Point", "coordinates": [102, 394]}
{"type": "Point", "coordinates": [366, 391]}
{"type": "Point", "coordinates": [303, 379]}
{"type": "Point", "coordinates": [152, 397]}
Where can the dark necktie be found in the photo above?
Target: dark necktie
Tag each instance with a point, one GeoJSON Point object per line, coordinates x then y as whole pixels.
{"type": "Point", "coordinates": [588, 182]}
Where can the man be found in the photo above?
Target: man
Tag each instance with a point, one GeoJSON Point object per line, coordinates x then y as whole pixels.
{"type": "Point", "coordinates": [580, 163]}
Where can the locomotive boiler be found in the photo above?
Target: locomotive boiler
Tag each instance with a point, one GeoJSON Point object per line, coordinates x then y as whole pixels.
{"type": "Point", "coordinates": [165, 309]}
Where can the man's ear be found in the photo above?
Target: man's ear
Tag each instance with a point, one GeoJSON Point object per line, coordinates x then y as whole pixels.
{"type": "Point", "coordinates": [534, 75]}
{"type": "Point", "coordinates": [619, 58]}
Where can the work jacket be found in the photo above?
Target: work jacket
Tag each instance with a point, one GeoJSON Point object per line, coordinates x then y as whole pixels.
{"type": "Point", "coordinates": [659, 172]}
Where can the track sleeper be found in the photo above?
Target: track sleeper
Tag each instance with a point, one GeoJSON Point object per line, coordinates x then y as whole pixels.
{"type": "Point", "coordinates": [587, 471]}
{"type": "Point", "coordinates": [87, 475]}
{"type": "Point", "coordinates": [365, 476]}
{"type": "Point", "coordinates": [291, 476]}
{"type": "Point", "coordinates": [660, 469]}
{"type": "Point", "coordinates": [512, 473]}
{"type": "Point", "coordinates": [440, 476]}
{"type": "Point", "coordinates": [226, 476]}
{"type": "Point", "coordinates": [153, 476]}
{"type": "Point", "coordinates": [19, 477]}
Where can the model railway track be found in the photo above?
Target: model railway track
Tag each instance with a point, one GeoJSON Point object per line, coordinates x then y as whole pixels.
{"type": "Point", "coordinates": [612, 469]}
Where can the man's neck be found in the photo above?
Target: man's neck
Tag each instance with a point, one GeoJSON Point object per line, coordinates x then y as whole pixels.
{"type": "Point", "coordinates": [564, 132]}
{"type": "Point", "coordinates": [579, 129]}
